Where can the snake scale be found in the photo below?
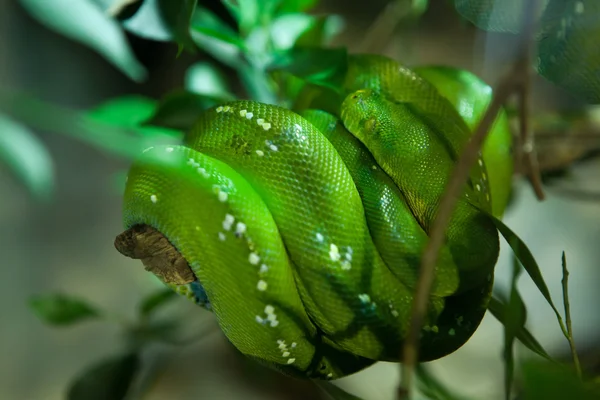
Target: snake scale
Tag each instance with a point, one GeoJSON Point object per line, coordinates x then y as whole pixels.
{"type": "Point", "coordinates": [303, 231]}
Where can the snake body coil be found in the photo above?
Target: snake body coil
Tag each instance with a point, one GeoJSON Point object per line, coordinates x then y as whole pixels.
{"type": "Point", "coordinates": [303, 232]}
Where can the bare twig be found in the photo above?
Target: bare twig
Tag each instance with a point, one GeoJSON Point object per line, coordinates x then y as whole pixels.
{"type": "Point", "coordinates": [565, 290]}
{"type": "Point", "coordinates": [517, 81]}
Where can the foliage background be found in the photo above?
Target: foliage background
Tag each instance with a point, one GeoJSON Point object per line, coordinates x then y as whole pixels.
{"type": "Point", "coordinates": [66, 245]}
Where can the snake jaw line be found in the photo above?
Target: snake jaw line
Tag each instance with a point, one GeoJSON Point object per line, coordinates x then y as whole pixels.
{"type": "Point", "coordinates": [159, 256]}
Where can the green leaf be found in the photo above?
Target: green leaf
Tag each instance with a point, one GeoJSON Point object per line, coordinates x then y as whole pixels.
{"type": "Point", "coordinates": [492, 15]}
{"type": "Point", "coordinates": [216, 38]}
{"type": "Point", "coordinates": [180, 110]}
{"type": "Point", "coordinates": [334, 392]}
{"type": "Point", "coordinates": [205, 79]}
{"type": "Point", "coordinates": [320, 66]}
{"type": "Point", "coordinates": [568, 52]}
{"type": "Point", "coordinates": [525, 257]}
{"type": "Point", "coordinates": [286, 29]}
{"type": "Point", "coordinates": [107, 380]}
{"type": "Point", "coordinates": [177, 15]}
{"type": "Point", "coordinates": [321, 31]}
{"type": "Point", "coordinates": [514, 319]}
{"type": "Point", "coordinates": [498, 309]}
{"type": "Point", "coordinates": [22, 151]}
{"type": "Point", "coordinates": [431, 387]}
{"type": "Point", "coordinates": [60, 309]}
{"type": "Point", "coordinates": [129, 112]}
{"type": "Point", "coordinates": [292, 6]}
{"type": "Point", "coordinates": [543, 381]}
{"type": "Point", "coordinates": [155, 300]}
{"type": "Point", "coordinates": [85, 22]}
{"type": "Point", "coordinates": [251, 13]}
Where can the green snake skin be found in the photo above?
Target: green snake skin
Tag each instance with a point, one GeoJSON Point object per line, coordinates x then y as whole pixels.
{"type": "Point", "coordinates": [304, 230]}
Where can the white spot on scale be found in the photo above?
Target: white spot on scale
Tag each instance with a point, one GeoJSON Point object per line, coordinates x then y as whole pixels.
{"type": "Point", "coordinates": [260, 121]}
{"type": "Point", "coordinates": [260, 153]}
{"type": "Point", "coordinates": [291, 360]}
{"type": "Point", "coordinates": [221, 236]}
{"type": "Point", "coordinates": [266, 126]}
{"type": "Point", "coordinates": [253, 258]}
{"type": "Point", "coordinates": [261, 285]}
{"type": "Point", "coordinates": [273, 147]}
{"type": "Point", "coordinates": [240, 228]}
{"type": "Point", "coordinates": [274, 323]}
{"type": "Point", "coordinates": [364, 298]}
{"type": "Point", "coordinates": [579, 7]}
{"type": "Point", "coordinates": [269, 309]}
{"type": "Point", "coordinates": [478, 187]}
{"type": "Point", "coordinates": [285, 354]}
{"type": "Point", "coordinates": [169, 149]}
{"type": "Point", "coordinates": [219, 109]}
{"type": "Point", "coordinates": [329, 375]}
{"type": "Point", "coordinates": [293, 345]}
{"type": "Point", "coordinates": [249, 115]}
{"type": "Point", "coordinates": [298, 127]}
{"type": "Point", "coordinates": [334, 252]}
{"type": "Point", "coordinates": [223, 196]}
{"type": "Point", "coordinates": [153, 198]}
{"type": "Point", "coordinates": [203, 172]}
{"type": "Point", "coordinates": [480, 161]}
{"type": "Point", "coordinates": [484, 176]}
{"type": "Point", "coordinates": [320, 237]}
{"type": "Point", "coordinates": [226, 108]}
{"type": "Point", "coordinates": [395, 313]}
{"type": "Point", "coordinates": [263, 269]}
{"type": "Point", "coordinates": [229, 219]}
{"type": "Point", "coordinates": [346, 265]}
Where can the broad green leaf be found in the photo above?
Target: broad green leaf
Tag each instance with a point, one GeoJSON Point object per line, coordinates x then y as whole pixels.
{"type": "Point", "coordinates": [205, 79]}
{"type": "Point", "coordinates": [252, 13]}
{"type": "Point", "coordinates": [85, 22]}
{"type": "Point", "coordinates": [177, 15]}
{"type": "Point", "coordinates": [28, 158]}
{"type": "Point", "coordinates": [320, 66]}
{"type": "Point", "coordinates": [334, 392]}
{"type": "Point", "coordinates": [498, 309]}
{"type": "Point", "coordinates": [180, 110]}
{"type": "Point", "coordinates": [125, 141]}
{"type": "Point", "coordinates": [568, 49]}
{"type": "Point", "coordinates": [130, 112]}
{"type": "Point", "coordinates": [492, 15]}
{"type": "Point", "coordinates": [107, 380]}
{"type": "Point", "coordinates": [60, 309]}
{"type": "Point", "coordinates": [260, 86]}
{"type": "Point", "coordinates": [431, 387]}
{"type": "Point", "coordinates": [291, 6]}
{"type": "Point", "coordinates": [544, 381]}
{"type": "Point", "coordinates": [155, 300]}
{"type": "Point", "coordinates": [216, 38]}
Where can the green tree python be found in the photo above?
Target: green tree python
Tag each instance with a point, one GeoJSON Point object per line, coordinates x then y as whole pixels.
{"type": "Point", "coordinates": [303, 231]}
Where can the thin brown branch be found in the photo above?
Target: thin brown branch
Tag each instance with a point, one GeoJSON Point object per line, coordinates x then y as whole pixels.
{"type": "Point", "coordinates": [565, 290]}
{"type": "Point", "coordinates": [516, 81]}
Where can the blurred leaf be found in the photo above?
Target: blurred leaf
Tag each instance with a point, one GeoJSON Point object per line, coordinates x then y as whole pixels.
{"type": "Point", "coordinates": [321, 31]}
{"type": "Point", "coordinates": [107, 380]}
{"type": "Point", "coordinates": [215, 37]}
{"type": "Point", "coordinates": [514, 319]}
{"type": "Point", "coordinates": [22, 151]}
{"type": "Point", "coordinates": [431, 387]}
{"type": "Point", "coordinates": [260, 86]}
{"type": "Point", "coordinates": [286, 29]}
{"type": "Point", "coordinates": [60, 309]}
{"type": "Point", "coordinates": [492, 15]}
{"type": "Point", "coordinates": [569, 46]}
{"type": "Point", "coordinates": [155, 300]}
{"type": "Point", "coordinates": [526, 258]}
{"type": "Point", "coordinates": [251, 13]}
{"type": "Point", "coordinates": [180, 110]}
{"type": "Point", "coordinates": [125, 141]}
{"type": "Point", "coordinates": [498, 310]}
{"type": "Point", "coordinates": [334, 392]}
{"type": "Point", "coordinates": [177, 15]}
{"type": "Point", "coordinates": [205, 79]}
{"type": "Point", "coordinates": [543, 381]}
{"type": "Point", "coordinates": [86, 23]}
{"type": "Point", "coordinates": [291, 6]}
{"type": "Point", "coordinates": [124, 9]}
{"type": "Point", "coordinates": [322, 67]}
{"type": "Point", "coordinates": [129, 112]}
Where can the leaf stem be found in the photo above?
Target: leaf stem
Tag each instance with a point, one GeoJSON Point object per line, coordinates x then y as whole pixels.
{"type": "Point", "coordinates": [565, 290]}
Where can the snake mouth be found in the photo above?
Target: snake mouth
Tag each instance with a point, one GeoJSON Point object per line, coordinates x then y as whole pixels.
{"type": "Point", "coordinates": [159, 256]}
